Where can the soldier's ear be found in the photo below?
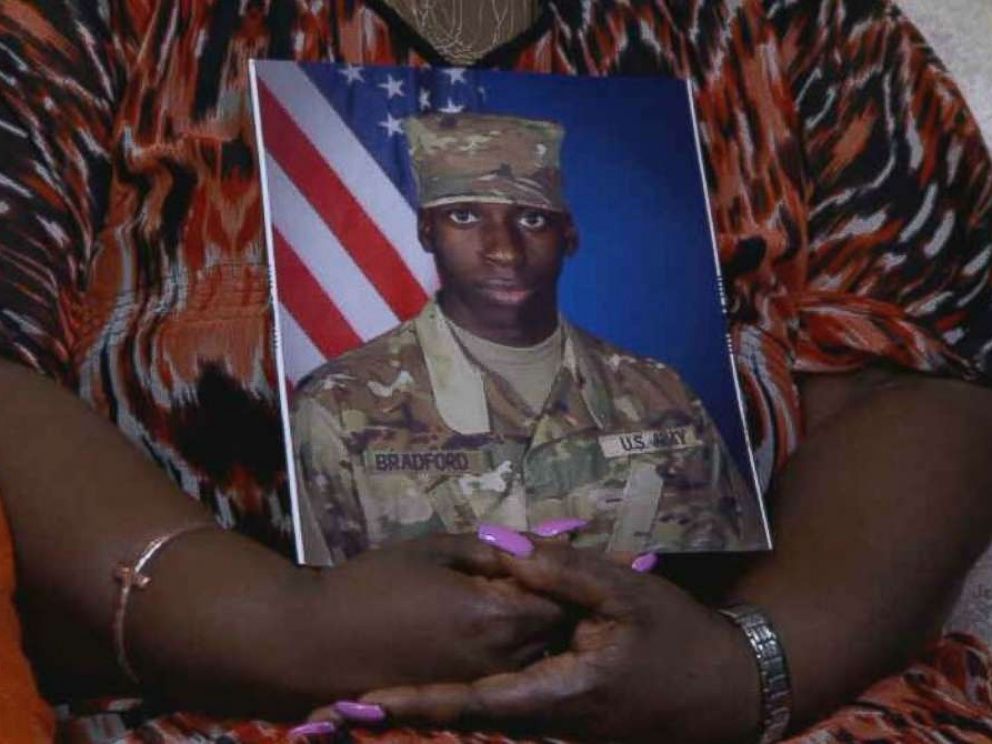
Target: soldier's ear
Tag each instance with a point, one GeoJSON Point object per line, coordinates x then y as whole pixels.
{"type": "Point", "coordinates": [425, 230]}
{"type": "Point", "coordinates": [571, 235]}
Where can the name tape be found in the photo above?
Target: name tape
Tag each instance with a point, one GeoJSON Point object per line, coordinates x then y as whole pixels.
{"type": "Point", "coordinates": [650, 440]}
{"type": "Point", "coordinates": [427, 461]}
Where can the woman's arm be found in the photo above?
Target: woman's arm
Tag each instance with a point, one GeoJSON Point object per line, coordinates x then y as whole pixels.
{"type": "Point", "coordinates": [225, 624]}
{"type": "Point", "coordinates": [877, 519]}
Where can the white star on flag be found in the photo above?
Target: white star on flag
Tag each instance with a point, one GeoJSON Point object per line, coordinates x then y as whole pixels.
{"type": "Point", "coordinates": [424, 99]}
{"type": "Point", "coordinates": [392, 86]}
{"type": "Point", "coordinates": [352, 74]}
{"type": "Point", "coordinates": [391, 125]}
{"type": "Point", "coordinates": [455, 75]}
{"type": "Point", "coordinates": [451, 108]}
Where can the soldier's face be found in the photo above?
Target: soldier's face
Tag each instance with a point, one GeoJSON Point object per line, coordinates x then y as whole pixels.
{"type": "Point", "coordinates": [497, 255]}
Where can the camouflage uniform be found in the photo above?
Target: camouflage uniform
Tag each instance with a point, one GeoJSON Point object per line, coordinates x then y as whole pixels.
{"type": "Point", "coordinates": [408, 435]}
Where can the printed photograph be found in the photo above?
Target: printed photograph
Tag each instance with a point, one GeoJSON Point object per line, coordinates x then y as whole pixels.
{"type": "Point", "coordinates": [497, 303]}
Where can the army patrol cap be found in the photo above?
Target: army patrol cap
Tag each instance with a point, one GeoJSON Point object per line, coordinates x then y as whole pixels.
{"type": "Point", "coordinates": [486, 158]}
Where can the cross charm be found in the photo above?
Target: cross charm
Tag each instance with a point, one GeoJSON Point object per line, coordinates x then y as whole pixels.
{"type": "Point", "coordinates": [129, 578]}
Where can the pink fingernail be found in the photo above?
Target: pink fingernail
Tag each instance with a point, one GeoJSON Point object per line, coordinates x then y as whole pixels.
{"type": "Point", "coordinates": [361, 712]}
{"type": "Point", "coordinates": [505, 539]}
{"type": "Point", "coordinates": [313, 729]}
{"type": "Point", "coordinates": [555, 527]}
{"type": "Point", "coordinates": [644, 563]}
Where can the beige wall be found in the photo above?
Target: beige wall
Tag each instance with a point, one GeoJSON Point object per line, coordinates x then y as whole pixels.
{"type": "Point", "coordinates": [961, 33]}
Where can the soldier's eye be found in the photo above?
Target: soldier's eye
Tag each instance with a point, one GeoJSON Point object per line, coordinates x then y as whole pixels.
{"type": "Point", "coordinates": [462, 216]}
{"type": "Point", "coordinates": [533, 219]}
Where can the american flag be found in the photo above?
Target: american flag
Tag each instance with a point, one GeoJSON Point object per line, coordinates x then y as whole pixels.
{"type": "Point", "coordinates": [340, 199]}
{"type": "Point", "coordinates": [339, 202]}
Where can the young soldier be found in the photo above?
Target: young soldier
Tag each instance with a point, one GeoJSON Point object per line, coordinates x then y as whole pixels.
{"type": "Point", "coordinates": [490, 406]}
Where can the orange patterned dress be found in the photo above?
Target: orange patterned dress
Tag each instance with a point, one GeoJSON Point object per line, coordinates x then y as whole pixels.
{"type": "Point", "coordinates": [850, 190]}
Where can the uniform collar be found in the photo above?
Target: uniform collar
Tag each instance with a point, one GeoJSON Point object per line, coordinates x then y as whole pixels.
{"type": "Point", "coordinates": [459, 385]}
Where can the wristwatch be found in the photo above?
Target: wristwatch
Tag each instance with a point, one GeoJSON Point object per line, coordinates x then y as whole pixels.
{"type": "Point", "coordinates": [773, 672]}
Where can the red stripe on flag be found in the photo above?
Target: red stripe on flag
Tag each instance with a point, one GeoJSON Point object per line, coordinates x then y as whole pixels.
{"type": "Point", "coordinates": [309, 303]}
{"type": "Point", "coordinates": [338, 208]}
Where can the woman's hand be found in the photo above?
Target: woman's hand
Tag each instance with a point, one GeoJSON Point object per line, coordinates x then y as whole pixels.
{"type": "Point", "coordinates": [645, 661]}
{"type": "Point", "coordinates": [439, 608]}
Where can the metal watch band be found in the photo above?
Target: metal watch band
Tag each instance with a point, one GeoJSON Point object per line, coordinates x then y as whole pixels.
{"type": "Point", "coordinates": [773, 672]}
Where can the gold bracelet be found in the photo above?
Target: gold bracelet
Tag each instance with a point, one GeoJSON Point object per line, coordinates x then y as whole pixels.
{"type": "Point", "coordinates": [130, 577]}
